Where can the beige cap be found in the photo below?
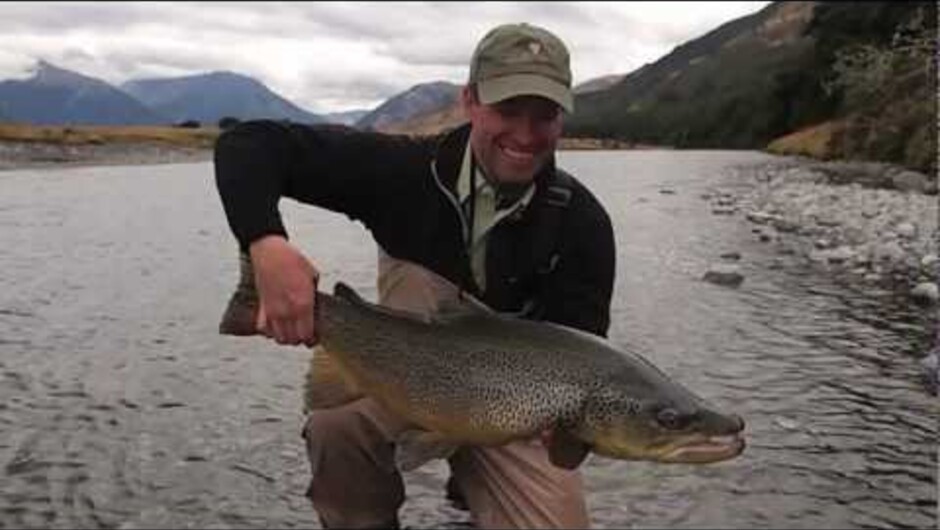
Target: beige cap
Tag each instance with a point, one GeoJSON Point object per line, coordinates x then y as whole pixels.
{"type": "Point", "coordinates": [521, 59]}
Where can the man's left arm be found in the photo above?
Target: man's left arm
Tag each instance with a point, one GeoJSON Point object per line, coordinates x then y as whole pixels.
{"type": "Point", "coordinates": [582, 283]}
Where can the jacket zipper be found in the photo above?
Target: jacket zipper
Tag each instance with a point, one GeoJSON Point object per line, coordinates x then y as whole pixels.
{"type": "Point", "coordinates": [465, 231]}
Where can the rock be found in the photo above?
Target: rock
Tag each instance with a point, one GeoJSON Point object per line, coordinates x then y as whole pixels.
{"type": "Point", "coordinates": [828, 221]}
{"type": "Point", "coordinates": [667, 191]}
{"type": "Point", "coordinates": [724, 274]}
{"type": "Point", "coordinates": [926, 293]}
{"type": "Point", "coordinates": [930, 367]}
{"type": "Point", "coordinates": [889, 251]}
{"type": "Point", "coordinates": [906, 230]}
{"type": "Point", "coordinates": [928, 264]}
{"type": "Point", "coordinates": [840, 255]}
{"type": "Point", "coordinates": [909, 181]}
{"type": "Point", "coordinates": [723, 210]}
{"type": "Point", "coordinates": [732, 256]}
{"type": "Point", "coordinates": [760, 218]}
{"type": "Point", "coordinates": [784, 225]}
{"type": "Point", "coordinates": [818, 256]}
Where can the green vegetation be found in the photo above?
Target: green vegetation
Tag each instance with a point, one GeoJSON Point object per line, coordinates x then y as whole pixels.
{"type": "Point", "coordinates": [867, 67]}
{"type": "Point", "coordinates": [888, 90]}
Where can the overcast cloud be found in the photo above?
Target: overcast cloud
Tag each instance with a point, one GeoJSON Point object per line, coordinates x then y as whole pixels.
{"type": "Point", "coordinates": [333, 56]}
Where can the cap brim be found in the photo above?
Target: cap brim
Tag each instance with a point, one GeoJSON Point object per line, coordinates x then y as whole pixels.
{"type": "Point", "coordinates": [499, 88]}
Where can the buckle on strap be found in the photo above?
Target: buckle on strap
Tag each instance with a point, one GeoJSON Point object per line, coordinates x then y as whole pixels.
{"type": "Point", "coordinates": [558, 196]}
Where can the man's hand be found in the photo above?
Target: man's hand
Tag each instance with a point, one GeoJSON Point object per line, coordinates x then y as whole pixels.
{"type": "Point", "coordinates": [286, 283]}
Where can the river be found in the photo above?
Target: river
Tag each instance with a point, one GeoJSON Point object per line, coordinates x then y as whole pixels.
{"type": "Point", "coordinates": [121, 406]}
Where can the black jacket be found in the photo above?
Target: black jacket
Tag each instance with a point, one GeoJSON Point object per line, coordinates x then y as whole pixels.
{"type": "Point", "coordinates": [403, 190]}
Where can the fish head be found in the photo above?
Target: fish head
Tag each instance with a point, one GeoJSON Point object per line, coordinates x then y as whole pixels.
{"type": "Point", "coordinates": [658, 420]}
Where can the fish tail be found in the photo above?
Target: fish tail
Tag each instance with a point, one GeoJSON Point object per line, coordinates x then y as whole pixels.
{"type": "Point", "coordinates": [241, 312]}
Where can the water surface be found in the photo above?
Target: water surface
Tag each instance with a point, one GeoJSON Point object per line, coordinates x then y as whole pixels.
{"type": "Point", "coordinates": [121, 406]}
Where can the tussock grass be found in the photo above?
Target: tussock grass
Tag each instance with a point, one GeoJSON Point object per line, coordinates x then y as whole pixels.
{"type": "Point", "coordinates": [818, 141]}
{"type": "Point", "coordinates": [198, 138]}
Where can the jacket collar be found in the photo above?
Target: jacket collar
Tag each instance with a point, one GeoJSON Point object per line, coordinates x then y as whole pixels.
{"type": "Point", "coordinates": [449, 155]}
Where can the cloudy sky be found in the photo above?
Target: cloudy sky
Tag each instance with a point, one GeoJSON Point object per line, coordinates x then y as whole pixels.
{"type": "Point", "coordinates": [335, 56]}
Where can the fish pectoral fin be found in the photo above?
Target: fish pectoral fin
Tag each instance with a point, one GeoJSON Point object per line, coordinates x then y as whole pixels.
{"type": "Point", "coordinates": [416, 447]}
{"type": "Point", "coordinates": [464, 306]}
{"type": "Point", "coordinates": [566, 450]}
{"type": "Point", "coordinates": [326, 386]}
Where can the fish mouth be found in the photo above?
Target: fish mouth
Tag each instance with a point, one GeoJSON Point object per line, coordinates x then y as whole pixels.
{"type": "Point", "coordinates": [707, 450]}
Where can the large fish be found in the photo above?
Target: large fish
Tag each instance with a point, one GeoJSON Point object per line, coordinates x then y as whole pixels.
{"type": "Point", "coordinates": [470, 376]}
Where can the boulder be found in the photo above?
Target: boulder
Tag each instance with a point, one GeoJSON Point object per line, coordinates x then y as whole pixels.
{"type": "Point", "coordinates": [724, 274]}
{"type": "Point", "coordinates": [926, 293]}
{"type": "Point", "coordinates": [909, 181]}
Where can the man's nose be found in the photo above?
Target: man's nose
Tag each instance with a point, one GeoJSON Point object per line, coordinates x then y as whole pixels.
{"type": "Point", "coordinates": [528, 128]}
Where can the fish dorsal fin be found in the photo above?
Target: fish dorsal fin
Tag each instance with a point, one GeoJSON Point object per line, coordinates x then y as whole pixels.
{"type": "Point", "coordinates": [345, 292]}
{"type": "Point", "coordinates": [348, 294]}
{"type": "Point", "coordinates": [464, 306]}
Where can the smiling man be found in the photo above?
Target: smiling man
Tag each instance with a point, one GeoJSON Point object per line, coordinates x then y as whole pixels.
{"type": "Point", "coordinates": [482, 209]}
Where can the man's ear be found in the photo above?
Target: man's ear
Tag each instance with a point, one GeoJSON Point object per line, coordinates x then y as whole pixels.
{"type": "Point", "coordinates": [467, 100]}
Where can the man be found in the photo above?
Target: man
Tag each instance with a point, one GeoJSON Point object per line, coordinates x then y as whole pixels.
{"type": "Point", "coordinates": [481, 209]}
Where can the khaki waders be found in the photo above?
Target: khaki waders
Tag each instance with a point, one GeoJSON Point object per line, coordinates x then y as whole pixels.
{"type": "Point", "coordinates": [355, 483]}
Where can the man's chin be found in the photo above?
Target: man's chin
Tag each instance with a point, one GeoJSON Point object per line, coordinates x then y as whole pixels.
{"type": "Point", "coordinates": [512, 174]}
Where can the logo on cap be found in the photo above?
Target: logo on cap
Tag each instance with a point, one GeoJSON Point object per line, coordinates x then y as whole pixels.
{"type": "Point", "coordinates": [535, 47]}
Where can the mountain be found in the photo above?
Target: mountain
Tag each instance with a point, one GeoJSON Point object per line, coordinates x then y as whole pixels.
{"type": "Point", "coordinates": [420, 99]}
{"type": "Point", "coordinates": [349, 117]}
{"type": "Point", "coordinates": [438, 117]}
{"type": "Point", "coordinates": [56, 96]}
{"type": "Point", "coordinates": [429, 123]}
{"type": "Point", "coordinates": [211, 96]}
{"type": "Point", "coordinates": [774, 72]}
{"type": "Point", "coordinates": [598, 83]}
{"type": "Point", "coordinates": [719, 90]}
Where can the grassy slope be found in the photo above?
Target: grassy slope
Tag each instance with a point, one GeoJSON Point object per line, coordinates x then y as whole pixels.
{"type": "Point", "coordinates": [201, 138]}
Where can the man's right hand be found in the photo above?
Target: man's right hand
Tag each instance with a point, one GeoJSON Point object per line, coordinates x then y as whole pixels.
{"type": "Point", "coordinates": [286, 283]}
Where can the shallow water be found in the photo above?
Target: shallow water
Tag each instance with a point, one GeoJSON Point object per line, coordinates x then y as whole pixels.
{"type": "Point", "coordinates": [121, 406]}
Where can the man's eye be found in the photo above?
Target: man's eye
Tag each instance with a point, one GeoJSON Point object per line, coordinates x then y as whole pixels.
{"type": "Point", "coordinates": [547, 114]}
{"type": "Point", "coordinates": [509, 111]}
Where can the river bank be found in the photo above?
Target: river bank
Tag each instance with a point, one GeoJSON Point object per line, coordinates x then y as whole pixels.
{"type": "Point", "coordinates": [871, 222]}
{"type": "Point", "coordinates": [39, 154]}
{"type": "Point", "coordinates": [26, 155]}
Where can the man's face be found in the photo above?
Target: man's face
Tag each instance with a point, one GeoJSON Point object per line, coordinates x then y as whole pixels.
{"type": "Point", "coordinates": [514, 138]}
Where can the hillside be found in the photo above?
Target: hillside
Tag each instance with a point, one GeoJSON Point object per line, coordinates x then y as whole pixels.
{"type": "Point", "coordinates": [209, 97]}
{"type": "Point", "coordinates": [764, 76]}
{"type": "Point", "coordinates": [422, 99]}
{"type": "Point", "coordinates": [720, 90]}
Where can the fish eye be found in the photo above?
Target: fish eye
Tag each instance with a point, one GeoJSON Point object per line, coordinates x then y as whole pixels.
{"type": "Point", "coordinates": [670, 418]}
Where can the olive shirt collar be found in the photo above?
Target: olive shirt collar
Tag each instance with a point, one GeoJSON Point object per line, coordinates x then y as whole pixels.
{"type": "Point", "coordinates": [485, 211]}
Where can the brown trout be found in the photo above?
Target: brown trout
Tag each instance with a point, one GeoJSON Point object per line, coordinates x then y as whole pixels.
{"type": "Point", "coordinates": [470, 376]}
